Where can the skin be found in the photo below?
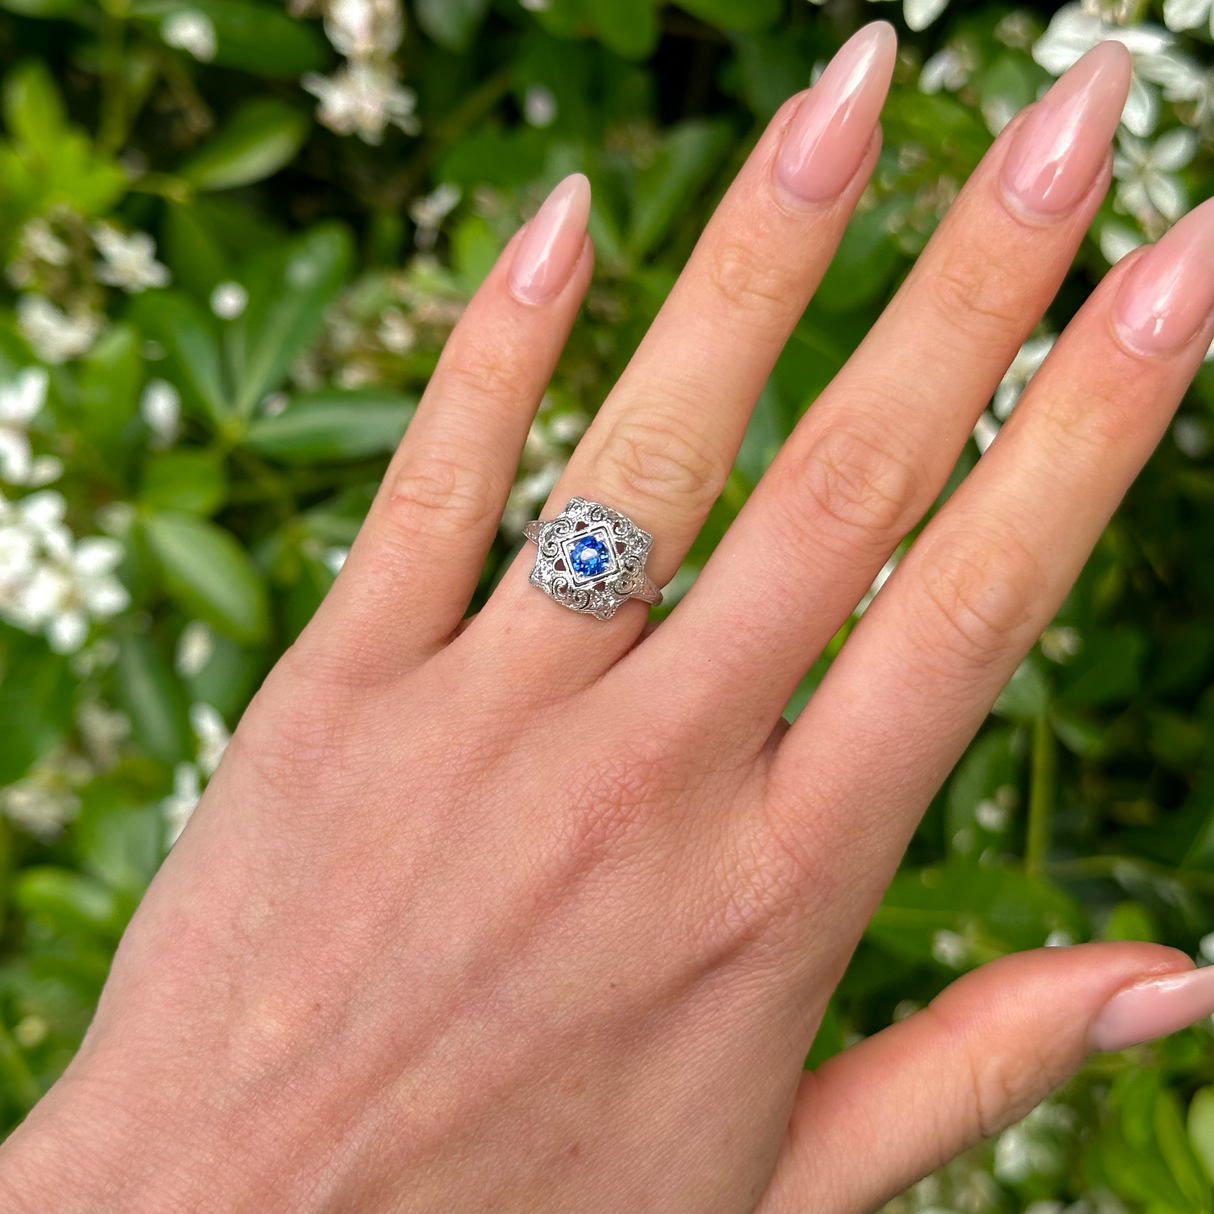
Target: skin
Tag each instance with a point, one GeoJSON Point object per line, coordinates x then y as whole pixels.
{"type": "Point", "coordinates": [541, 913]}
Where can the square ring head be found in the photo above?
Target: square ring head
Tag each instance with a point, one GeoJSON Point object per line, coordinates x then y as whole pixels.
{"type": "Point", "coordinates": [591, 558]}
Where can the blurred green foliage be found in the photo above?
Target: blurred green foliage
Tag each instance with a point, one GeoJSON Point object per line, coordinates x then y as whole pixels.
{"type": "Point", "coordinates": [216, 408]}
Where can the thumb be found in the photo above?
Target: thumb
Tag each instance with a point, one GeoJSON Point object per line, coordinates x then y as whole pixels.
{"type": "Point", "coordinates": [878, 1117]}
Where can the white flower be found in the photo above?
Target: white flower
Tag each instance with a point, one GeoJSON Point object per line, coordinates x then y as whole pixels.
{"type": "Point", "coordinates": [160, 408]}
{"type": "Point", "coordinates": [986, 430]}
{"type": "Point", "coordinates": [527, 494]}
{"type": "Point", "coordinates": [67, 595]}
{"type": "Point", "coordinates": [429, 211]}
{"type": "Point", "coordinates": [1072, 32]}
{"type": "Point", "coordinates": [54, 335]}
{"type": "Point", "coordinates": [364, 29]}
{"type": "Point", "coordinates": [181, 802]}
{"type": "Point", "coordinates": [950, 949]}
{"type": "Point", "coordinates": [539, 106]}
{"type": "Point", "coordinates": [920, 14]}
{"type": "Point", "coordinates": [20, 400]}
{"type": "Point", "coordinates": [1188, 14]}
{"type": "Point", "coordinates": [38, 243]}
{"type": "Point", "coordinates": [229, 300]}
{"type": "Point", "coordinates": [1116, 240]}
{"type": "Point", "coordinates": [130, 260]}
{"type": "Point", "coordinates": [48, 583]}
{"type": "Point", "coordinates": [883, 576]}
{"type": "Point", "coordinates": [396, 332]}
{"type": "Point", "coordinates": [536, 6]}
{"type": "Point", "coordinates": [194, 648]}
{"type": "Point", "coordinates": [101, 729]}
{"type": "Point", "coordinates": [192, 31]}
{"type": "Point", "coordinates": [212, 735]}
{"type": "Point", "coordinates": [364, 98]}
{"type": "Point", "coordinates": [1024, 366]}
{"type": "Point", "coordinates": [39, 809]}
{"type": "Point", "coordinates": [1192, 436]}
{"type": "Point", "coordinates": [947, 69]}
{"type": "Point", "coordinates": [1145, 173]}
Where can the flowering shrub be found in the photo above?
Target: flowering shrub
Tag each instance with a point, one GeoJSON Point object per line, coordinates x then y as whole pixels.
{"type": "Point", "coordinates": [234, 238]}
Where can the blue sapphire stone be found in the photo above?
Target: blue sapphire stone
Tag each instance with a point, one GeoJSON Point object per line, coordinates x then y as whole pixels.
{"type": "Point", "coordinates": [590, 557]}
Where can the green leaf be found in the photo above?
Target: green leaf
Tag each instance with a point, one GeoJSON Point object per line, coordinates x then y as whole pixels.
{"type": "Point", "coordinates": [258, 38]}
{"type": "Point", "coordinates": [51, 163]}
{"type": "Point", "coordinates": [209, 574]}
{"type": "Point", "coordinates": [743, 15]}
{"type": "Point", "coordinates": [628, 27]}
{"type": "Point", "coordinates": [1026, 695]}
{"type": "Point", "coordinates": [149, 694]}
{"type": "Point", "coordinates": [983, 794]}
{"type": "Point", "coordinates": [688, 155]}
{"type": "Point", "coordinates": [474, 250]}
{"type": "Point", "coordinates": [259, 139]}
{"type": "Point", "coordinates": [451, 23]}
{"type": "Point", "coordinates": [191, 481]}
{"type": "Point", "coordinates": [46, 9]}
{"type": "Point", "coordinates": [1174, 1145]}
{"type": "Point", "coordinates": [229, 677]}
{"type": "Point", "coordinates": [983, 910]}
{"type": "Point", "coordinates": [36, 693]}
{"type": "Point", "coordinates": [333, 425]}
{"type": "Point", "coordinates": [188, 334]}
{"type": "Point", "coordinates": [1201, 1126]}
{"type": "Point", "coordinates": [1130, 921]}
{"type": "Point", "coordinates": [117, 837]}
{"type": "Point", "coordinates": [109, 380]}
{"type": "Point", "coordinates": [864, 264]}
{"type": "Point", "coordinates": [70, 902]}
{"type": "Point", "coordinates": [33, 108]}
{"type": "Point", "coordinates": [772, 67]}
{"type": "Point", "coordinates": [1108, 669]}
{"type": "Point", "coordinates": [288, 294]}
{"type": "Point", "coordinates": [828, 1040]}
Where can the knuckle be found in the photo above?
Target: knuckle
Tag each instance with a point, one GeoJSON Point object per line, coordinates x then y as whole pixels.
{"type": "Point", "coordinates": [856, 487]}
{"type": "Point", "coordinates": [482, 368]}
{"type": "Point", "coordinates": [977, 297]}
{"type": "Point", "coordinates": [747, 282]}
{"type": "Point", "coordinates": [978, 592]}
{"type": "Point", "coordinates": [1003, 1087]}
{"type": "Point", "coordinates": [440, 490]}
{"type": "Point", "coordinates": [663, 461]}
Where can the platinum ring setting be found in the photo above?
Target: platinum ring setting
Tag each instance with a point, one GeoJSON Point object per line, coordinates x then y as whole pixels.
{"type": "Point", "coordinates": [592, 559]}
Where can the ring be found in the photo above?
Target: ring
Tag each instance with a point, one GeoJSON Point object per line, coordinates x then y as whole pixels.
{"type": "Point", "coordinates": [591, 559]}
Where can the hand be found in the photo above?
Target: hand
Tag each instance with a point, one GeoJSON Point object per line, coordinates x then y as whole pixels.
{"type": "Point", "coordinates": [539, 915]}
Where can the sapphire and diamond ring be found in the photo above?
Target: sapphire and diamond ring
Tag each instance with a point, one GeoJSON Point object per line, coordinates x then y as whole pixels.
{"type": "Point", "coordinates": [591, 559]}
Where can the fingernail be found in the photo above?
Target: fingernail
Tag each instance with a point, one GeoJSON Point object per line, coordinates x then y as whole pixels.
{"type": "Point", "coordinates": [828, 138]}
{"type": "Point", "coordinates": [552, 244]}
{"type": "Point", "coordinates": [1153, 1009]}
{"type": "Point", "coordinates": [1063, 143]}
{"type": "Point", "coordinates": [1167, 297]}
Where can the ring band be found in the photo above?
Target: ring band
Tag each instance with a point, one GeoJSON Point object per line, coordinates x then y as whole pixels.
{"type": "Point", "coordinates": [592, 559]}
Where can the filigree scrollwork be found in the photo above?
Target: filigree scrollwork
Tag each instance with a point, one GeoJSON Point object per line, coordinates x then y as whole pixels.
{"type": "Point", "coordinates": [591, 559]}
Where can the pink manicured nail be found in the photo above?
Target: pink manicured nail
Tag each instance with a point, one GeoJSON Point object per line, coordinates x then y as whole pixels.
{"type": "Point", "coordinates": [1153, 1009]}
{"type": "Point", "coordinates": [1064, 141]}
{"type": "Point", "coordinates": [828, 138]}
{"type": "Point", "coordinates": [552, 244]}
{"type": "Point", "coordinates": [1166, 298]}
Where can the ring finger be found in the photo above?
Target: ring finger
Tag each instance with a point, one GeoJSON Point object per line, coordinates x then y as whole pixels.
{"type": "Point", "coordinates": [662, 445]}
